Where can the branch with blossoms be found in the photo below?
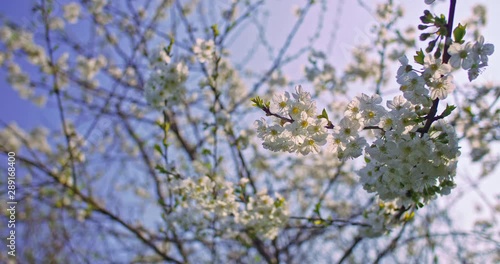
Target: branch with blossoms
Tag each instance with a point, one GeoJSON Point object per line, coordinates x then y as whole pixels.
{"type": "Point", "coordinates": [157, 128]}
{"type": "Point", "coordinates": [414, 157]}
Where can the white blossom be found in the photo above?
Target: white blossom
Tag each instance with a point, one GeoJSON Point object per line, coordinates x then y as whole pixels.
{"type": "Point", "coordinates": [305, 134]}
{"type": "Point", "coordinates": [165, 85]}
{"type": "Point", "coordinates": [461, 55]}
{"type": "Point", "coordinates": [71, 12]}
{"type": "Point", "coordinates": [204, 50]}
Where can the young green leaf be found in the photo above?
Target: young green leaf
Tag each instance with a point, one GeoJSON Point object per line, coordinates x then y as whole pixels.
{"type": "Point", "coordinates": [215, 30]}
{"type": "Point", "coordinates": [459, 33]}
{"type": "Point", "coordinates": [419, 58]}
{"type": "Point", "coordinates": [448, 110]}
{"type": "Point", "coordinates": [158, 148]}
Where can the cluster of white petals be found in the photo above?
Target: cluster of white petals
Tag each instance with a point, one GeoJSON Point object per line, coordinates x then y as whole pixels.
{"type": "Point", "coordinates": [302, 131]}
{"type": "Point", "coordinates": [71, 12]}
{"type": "Point", "coordinates": [261, 214]}
{"type": "Point", "coordinates": [382, 218]}
{"type": "Point", "coordinates": [404, 165]}
{"type": "Point", "coordinates": [213, 197]}
{"type": "Point", "coordinates": [89, 67]}
{"type": "Point", "coordinates": [401, 165]}
{"type": "Point", "coordinates": [16, 39]}
{"type": "Point", "coordinates": [434, 78]}
{"type": "Point", "coordinates": [204, 50]}
{"type": "Point", "coordinates": [159, 57]}
{"type": "Point", "coordinates": [410, 168]}
{"type": "Point", "coordinates": [12, 137]}
{"type": "Point", "coordinates": [471, 56]}
{"type": "Point", "coordinates": [165, 85]}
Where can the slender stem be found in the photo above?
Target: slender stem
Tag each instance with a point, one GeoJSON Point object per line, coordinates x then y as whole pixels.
{"type": "Point", "coordinates": [446, 57]}
{"type": "Point", "coordinates": [350, 249]}
{"type": "Point", "coordinates": [57, 92]}
{"type": "Point", "coordinates": [449, 29]}
{"type": "Point", "coordinates": [391, 246]}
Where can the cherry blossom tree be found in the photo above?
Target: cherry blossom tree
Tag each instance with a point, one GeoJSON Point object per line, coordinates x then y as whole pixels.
{"type": "Point", "coordinates": [174, 137]}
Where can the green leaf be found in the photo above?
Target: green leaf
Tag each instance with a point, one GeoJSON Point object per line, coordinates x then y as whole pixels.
{"type": "Point", "coordinates": [257, 101]}
{"type": "Point", "coordinates": [161, 169]}
{"type": "Point", "coordinates": [459, 33]}
{"type": "Point", "coordinates": [215, 30]}
{"type": "Point", "coordinates": [279, 202]}
{"type": "Point", "coordinates": [206, 152]}
{"type": "Point", "coordinates": [168, 50]}
{"type": "Point", "coordinates": [166, 127]}
{"type": "Point", "coordinates": [419, 58]}
{"type": "Point", "coordinates": [324, 114]}
{"type": "Point", "coordinates": [158, 148]}
{"type": "Point", "coordinates": [317, 207]}
{"type": "Point", "coordinates": [448, 110]}
{"type": "Point", "coordinates": [468, 110]}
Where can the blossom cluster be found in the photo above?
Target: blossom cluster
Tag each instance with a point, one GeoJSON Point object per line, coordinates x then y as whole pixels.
{"type": "Point", "coordinates": [19, 40]}
{"type": "Point", "coordinates": [436, 77]}
{"type": "Point", "coordinates": [412, 169]}
{"type": "Point", "coordinates": [12, 138]}
{"type": "Point", "coordinates": [321, 73]}
{"type": "Point", "coordinates": [435, 74]}
{"type": "Point", "coordinates": [89, 67]}
{"type": "Point", "coordinates": [216, 197]}
{"type": "Point", "coordinates": [473, 56]}
{"type": "Point", "coordinates": [260, 214]}
{"type": "Point", "coordinates": [204, 50]}
{"type": "Point", "coordinates": [297, 128]}
{"type": "Point", "coordinates": [401, 164]}
{"type": "Point", "coordinates": [404, 164]}
{"type": "Point", "coordinates": [383, 216]}
{"type": "Point", "coordinates": [166, 82]}
{"type": "Point", "coordinates": [71, 12]}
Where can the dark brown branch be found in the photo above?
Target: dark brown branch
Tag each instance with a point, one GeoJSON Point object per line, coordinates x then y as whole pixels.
{"type": "Point", "coordinates": [446, 57]}
{"type": "Point", "coordinates": [350, 249]}
{"type": "Point", "coordinates": [96, 206]}
{"type": "Point", "coordinates": [391, 246]}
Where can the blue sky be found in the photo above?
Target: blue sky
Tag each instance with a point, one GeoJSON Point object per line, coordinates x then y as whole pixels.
{"type": "Point", "coordinates": [12, 107]}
